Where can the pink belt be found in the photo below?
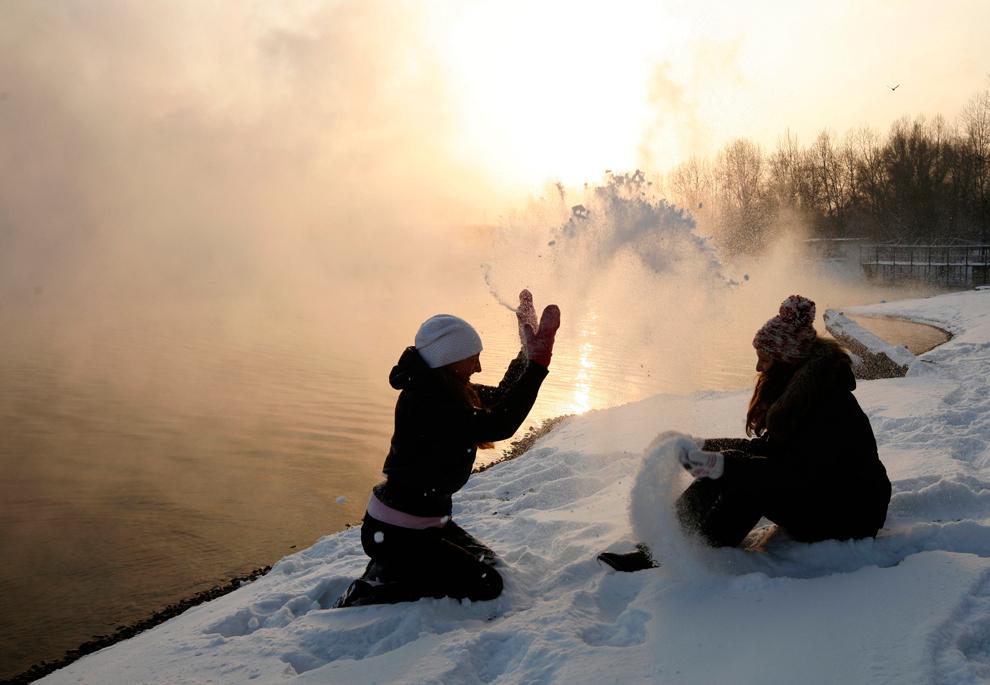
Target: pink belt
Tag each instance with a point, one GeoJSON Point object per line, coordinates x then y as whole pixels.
{"type": "Point", "coordinates": [386, 514]}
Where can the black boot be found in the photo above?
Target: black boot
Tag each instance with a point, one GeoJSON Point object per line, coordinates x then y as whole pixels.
{"type": "Point", "coordinates": [359, 593]}
{"type": "Point", "coordinates": [378, 585]}
{"type": "Point", "coordinates": [630, 561]}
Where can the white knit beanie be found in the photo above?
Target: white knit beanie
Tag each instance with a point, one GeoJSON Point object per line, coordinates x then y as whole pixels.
{"type": "Point", "coordinates": [444, 339]}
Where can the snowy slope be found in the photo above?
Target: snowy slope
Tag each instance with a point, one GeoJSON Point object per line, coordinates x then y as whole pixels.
{"type": "Point", "coordinates": [912, 606]}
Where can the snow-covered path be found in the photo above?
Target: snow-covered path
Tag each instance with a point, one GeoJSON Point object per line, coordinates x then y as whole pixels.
{"type": "Point", "coordinates": [912, 606]}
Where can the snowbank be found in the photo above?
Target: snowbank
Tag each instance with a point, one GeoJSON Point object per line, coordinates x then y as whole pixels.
{"type": "Point", "coordinates": [908, 607]}
{"type": "Point", "coordinates": [876, 358]}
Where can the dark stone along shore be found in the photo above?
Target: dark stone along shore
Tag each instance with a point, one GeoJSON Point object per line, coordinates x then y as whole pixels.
{"type": "Point", "coordinates": [124, 632]}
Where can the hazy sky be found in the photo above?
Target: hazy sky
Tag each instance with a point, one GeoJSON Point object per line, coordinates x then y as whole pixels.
{"type": "Point", "coordinates": [571, 88]}
{"type": "Point", "coordinates": [208, 131]}
{"type": "Point", "coordinates": [533, 89]}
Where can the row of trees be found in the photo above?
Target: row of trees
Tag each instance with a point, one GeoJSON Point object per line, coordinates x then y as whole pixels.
{"type": "Point", "coordinates": [928, 181]}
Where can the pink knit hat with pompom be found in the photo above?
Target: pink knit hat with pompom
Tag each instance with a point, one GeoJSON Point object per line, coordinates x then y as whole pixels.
{"type": "Point", "coordinates": [788, 336]}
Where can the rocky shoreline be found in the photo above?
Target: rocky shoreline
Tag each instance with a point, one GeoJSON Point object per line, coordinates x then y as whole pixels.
{"type": "Point", "coordinates": [873, 357]}
{"type": "Point", "coordinates": [124, 632]}
{"type": "Point", "coordinates": [521, 446]}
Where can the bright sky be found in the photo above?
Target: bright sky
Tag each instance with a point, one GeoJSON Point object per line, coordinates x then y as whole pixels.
{"type": "Point", "coordinates": [567, 90]}
{"type": "Point", "coordinates": [448, 103]}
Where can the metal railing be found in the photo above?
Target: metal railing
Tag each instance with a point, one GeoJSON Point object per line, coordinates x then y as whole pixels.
{"type": "Point", "coordinates": [950, 265]}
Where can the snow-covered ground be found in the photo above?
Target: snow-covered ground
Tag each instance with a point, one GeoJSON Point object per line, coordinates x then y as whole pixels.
{"type": "Point", "coordinates": [912, 606]}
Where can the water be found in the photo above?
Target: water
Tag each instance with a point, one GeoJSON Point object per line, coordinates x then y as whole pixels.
{"type": "Point", "coordinates": [152, 459]}
{"type": "Point", "coordinates": [918, 338]}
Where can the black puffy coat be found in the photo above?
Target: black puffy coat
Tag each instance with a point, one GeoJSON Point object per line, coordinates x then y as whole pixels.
{"type": "Point", "coordinates": [437, 433]}
{"type": "Point", "coordinates": [815, 471]}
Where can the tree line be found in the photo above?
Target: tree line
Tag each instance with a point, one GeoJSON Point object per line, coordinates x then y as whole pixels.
{"type": "Point", "coordinates": [928, 181]}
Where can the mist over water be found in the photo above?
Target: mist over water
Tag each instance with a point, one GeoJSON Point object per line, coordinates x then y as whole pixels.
{"type": "Point", "coordinates": [212, 251]}
{"type": "Point", "coordinates": [648, 304]}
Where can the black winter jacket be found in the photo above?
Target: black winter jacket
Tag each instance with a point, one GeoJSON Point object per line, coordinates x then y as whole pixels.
{"type": "Point", "coordinates": [436, 434]}
{"type": "Point", "coordinates": [816, 467]}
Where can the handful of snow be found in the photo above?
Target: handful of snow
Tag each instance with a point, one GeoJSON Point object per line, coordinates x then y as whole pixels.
{"type": "Point", "coordinates": [651, 507]}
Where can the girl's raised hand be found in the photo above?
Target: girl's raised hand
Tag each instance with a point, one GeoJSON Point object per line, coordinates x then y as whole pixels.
{"type": "Point", "coordinates": [537, 338]}
{"type": "Point", "coordinates": [526, 315]}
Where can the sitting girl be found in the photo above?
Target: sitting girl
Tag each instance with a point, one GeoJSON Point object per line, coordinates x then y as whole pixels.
{"type": "Point", "coordinates": [812, 467]}
{"type": "Point", "coordinates": [441, 419]}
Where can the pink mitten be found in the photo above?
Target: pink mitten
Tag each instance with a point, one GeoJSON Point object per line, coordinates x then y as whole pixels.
{"type": "Point", "coordinates": [526, 315]}
{"type": "Point", "coordinates": [537, 339]}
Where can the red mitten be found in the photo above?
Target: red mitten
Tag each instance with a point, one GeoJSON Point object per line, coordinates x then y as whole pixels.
{"type": "Point", "coordinates": [539, 343]}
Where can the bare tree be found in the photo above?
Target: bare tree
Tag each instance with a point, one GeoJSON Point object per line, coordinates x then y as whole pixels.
{"type": "Point", "coordinates": [871, 186]}
{"type": "Point", "coordinates": [691, 184]}
{"type": "Point", "coordinates": [830, 179]}
{"type": "Point", "coordinates": [976, 129]}
{"type": "Point", "coordinates": [915, 158]}
{"type": "Point", "coordinates": [926, 180]}
{"type": "Point", "coordinates": [787, 176]}
{"type": "Point", "coordinates": [745, 212]}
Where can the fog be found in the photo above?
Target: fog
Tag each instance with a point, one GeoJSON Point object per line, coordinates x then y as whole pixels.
{"type": "Point", "coordinates": [185, 186]}
{"type": "Point", "coordinates": [275, 156]}
{"type": "Point", "coordinates": [213, 221]}
{"type": "Point", "coordinates": [220, 223]}
{"type": "Point", "coordinates": [195, 152]}
{"type": "Point", "coordinates": [649, 304]}
{"type": "Point", "coordinates": [188, 187]}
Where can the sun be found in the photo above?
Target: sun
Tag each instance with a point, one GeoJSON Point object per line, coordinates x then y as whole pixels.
{"type": "Point", "coordinates": [547, 92]}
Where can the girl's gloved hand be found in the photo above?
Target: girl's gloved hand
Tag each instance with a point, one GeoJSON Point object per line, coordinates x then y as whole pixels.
{"type": "Point", "coordinates": [526, 315]}
{"type": "Point", "coordinates": [702, 464]}
{"type": "Point", "coordinates": [537, 338]}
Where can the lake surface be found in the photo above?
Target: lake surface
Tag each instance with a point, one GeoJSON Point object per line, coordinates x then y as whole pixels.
{"type": "Point", "coordinates": [916, 337]}
{"type": "Point", "coordinates": [148, 456]}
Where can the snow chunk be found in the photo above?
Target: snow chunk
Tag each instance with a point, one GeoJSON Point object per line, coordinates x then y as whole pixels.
{"type": "Point", "coordinates": [651, 508]}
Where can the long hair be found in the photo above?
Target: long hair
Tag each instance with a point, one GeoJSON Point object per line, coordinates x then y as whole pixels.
{"type": "Point", "coordinates": [458, 389]}
{"type": "Point", "coordinates": [461, 392]}
{"type": "Point", "coordinates": [770, 385]}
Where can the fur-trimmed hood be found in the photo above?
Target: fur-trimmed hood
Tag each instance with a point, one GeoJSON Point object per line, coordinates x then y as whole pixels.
{"type": "Point", "coordinates": [826, 373]}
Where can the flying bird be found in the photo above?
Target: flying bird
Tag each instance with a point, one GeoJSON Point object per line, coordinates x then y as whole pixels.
{"type": "Point", "coordinates": [895, 87]}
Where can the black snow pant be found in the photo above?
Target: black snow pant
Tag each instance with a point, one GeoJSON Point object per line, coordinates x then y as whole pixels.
{"type": "Point", "coordinates": [719, 513]}
{"type": "Point", "coordinates": [723, 511]}
{"type": "Point", "coordinates": [433, 562]}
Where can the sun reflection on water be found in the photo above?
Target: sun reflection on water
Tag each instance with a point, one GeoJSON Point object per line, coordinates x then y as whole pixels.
{"type": "Point", "coordinates": [581, 401]}
{"type": "Point", "coordinates": [582, 398]}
